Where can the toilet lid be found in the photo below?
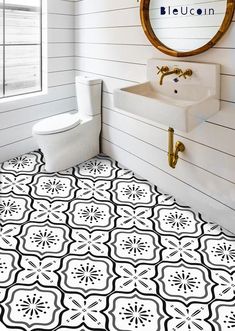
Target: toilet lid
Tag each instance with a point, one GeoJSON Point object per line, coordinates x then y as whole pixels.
{"type": "Point", "coordinates": [58, 123]}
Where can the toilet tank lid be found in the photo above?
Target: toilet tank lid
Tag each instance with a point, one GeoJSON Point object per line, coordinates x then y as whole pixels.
{"type": "Point", "coordinates": [58, 123]}
{"type": "Point", "coordinates": [88, 80]}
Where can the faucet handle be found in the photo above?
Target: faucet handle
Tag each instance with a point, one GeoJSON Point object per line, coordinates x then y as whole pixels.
{"type": "Point", "coordinates": [187, 72]}
{"type": "Point", "coordinates": [163, 69]}
{"type": "Point", "coordinates": [178, 71]}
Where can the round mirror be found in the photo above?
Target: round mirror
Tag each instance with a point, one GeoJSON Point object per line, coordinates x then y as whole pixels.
{"type": "Point", "coordinates": [185, 27]}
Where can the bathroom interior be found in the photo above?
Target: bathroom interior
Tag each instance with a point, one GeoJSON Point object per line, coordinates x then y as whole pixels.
{"type": "Point", "coordinates": [117, 165]}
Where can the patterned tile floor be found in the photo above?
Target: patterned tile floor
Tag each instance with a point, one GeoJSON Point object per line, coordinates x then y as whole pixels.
{"type": "Point", "coordinates": [98, 248]}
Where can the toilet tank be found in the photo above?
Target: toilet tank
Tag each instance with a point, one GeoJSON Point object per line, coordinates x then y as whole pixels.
{"type": "Point", "coordinates": [88, 91]}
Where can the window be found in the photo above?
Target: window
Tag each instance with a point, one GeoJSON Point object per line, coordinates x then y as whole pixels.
{"type": "Point", "coordinates": [20, 47]}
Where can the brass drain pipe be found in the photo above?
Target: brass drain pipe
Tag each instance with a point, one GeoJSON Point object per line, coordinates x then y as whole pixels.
{"type": "Point", "coordinates": [173, 154]}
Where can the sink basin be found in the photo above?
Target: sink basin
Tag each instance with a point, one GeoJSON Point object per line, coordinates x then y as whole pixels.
{"type": "Point", "coordinates": [182, 105]}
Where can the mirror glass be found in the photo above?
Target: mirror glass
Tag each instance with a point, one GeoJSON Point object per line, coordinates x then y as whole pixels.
{"type": "Point", "coordinates": [186, 25]}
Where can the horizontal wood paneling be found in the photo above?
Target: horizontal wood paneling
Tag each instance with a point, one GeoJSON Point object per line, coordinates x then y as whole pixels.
{"type": "Point", "coordinates": [60, 7]}
{"type": "Point", "coordinates": [60, 35]}
{"type": "Point", "coordinates": [60, 49]}
{"type": "Point", "coordinates": [23, 115]}
{"type": "Point", "coordinates": [60, 78]}
{"type": "Point", "coordinates": [111, 44]}
{"type": "Point", "coordinates": [18, 117]}
{"type": "Point", "coordinates": [53, 94]}
{"type": "Point", "coordinates": [197, 154]}
{"type": "Point", "coordinates": [60, 63]}
{"type": "Point", "coordinates": [61, 21]}
{"type": "Point", "coordinates": [140, 54]}
{"type": "Point", "coordinates": [133, 35]}
{"type": "Point", "coordinates": [129, 16]}
{"type": "Point", "coordinates": [84, 7]}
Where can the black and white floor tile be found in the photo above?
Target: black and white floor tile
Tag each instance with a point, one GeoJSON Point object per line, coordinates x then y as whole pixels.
{"type": "Point", "coordinates": [98, 248]}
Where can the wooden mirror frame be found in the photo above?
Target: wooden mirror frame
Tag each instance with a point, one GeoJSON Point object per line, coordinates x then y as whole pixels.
{"type": "Point", "coordinates": [145, 21]}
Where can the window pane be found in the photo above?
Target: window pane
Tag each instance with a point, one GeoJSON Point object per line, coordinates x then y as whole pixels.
{"type": "Point", "coordinates": [22, 22]}
{"type": "Point", "coordinates": [23, 74]}
{"type": "Point", "coordinates": [1, 71]}
{"type": "Point", "coordinates": [23, 3]}
{"type": "Point", "coordinates": [1, 21]}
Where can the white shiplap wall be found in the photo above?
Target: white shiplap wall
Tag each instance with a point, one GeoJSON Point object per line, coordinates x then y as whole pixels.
{"type": "Point", "coordinates": [110, 43]}
{"type": "Point", "coordinates": [18, 117]}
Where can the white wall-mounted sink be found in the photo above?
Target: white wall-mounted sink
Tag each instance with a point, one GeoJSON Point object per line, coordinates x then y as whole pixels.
{"type": "Point", "coordinates": [183, 104]}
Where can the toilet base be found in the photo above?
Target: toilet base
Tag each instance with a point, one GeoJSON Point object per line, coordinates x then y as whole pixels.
{"type": "Point", "coordinates": [61, 161]}
{"type": "Point", "coordinates": [67, 149]}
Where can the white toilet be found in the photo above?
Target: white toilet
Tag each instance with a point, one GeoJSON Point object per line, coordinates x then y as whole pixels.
{"type": "Point", "coordinates": [71, 138]}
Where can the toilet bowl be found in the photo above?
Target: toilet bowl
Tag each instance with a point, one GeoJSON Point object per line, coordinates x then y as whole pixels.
{"type": "Point", "coordinates": [68, 139]}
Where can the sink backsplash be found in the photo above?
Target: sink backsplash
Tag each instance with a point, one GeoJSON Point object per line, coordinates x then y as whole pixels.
{"type": "Point", "coordinates": [204, 74]}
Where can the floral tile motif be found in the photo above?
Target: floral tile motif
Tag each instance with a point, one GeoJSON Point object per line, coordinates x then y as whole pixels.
{"type": "Point", "coordinates": [134, 192]}
{"type": "Point", "coordinates": [212, 229]}
{"type": "Point", "coordinates": [53, 211]}
{"type": "Point", "coordinates": [32, 307]}
{"type": "Point", "coordinates": [184, 282]}
{"type": "Point", "coordinates": [134, 311]}
{"type": "Point", "coordinates": [223, 315]}
{"type": "Point", "coordinates": [93, 242]}
{"type": "Point", "coordinates": [91, 214]}
{"type": "Point", "coordinates": [177, 220]}
{"type": "Point", "coordinates": [166, 199]}
{"type": "Point", "coordinates": [97, 190]}
{"type": "Point", "coordinates": [27, 163]}
{"type": "Point", "coordinates": [138, 217]}
{"type": "Point", "coordinates": [97, 168]}
{"type": "Point", "coordinates": [193, 317]}
{"type": "Point", "coordinates": [8, 235]}
{"type": "Point", "coordinates": [14, 209]}
{"type": "Point", "coordinates": [134, 246]}
{"type": "Point", "coordinates": [132, 278]}
{"type": "Point", "coordinates": [8, 268]}
{"type": "Point", "coordinates": [184, 248]}
{"type": "Point", "coordinates": [53, 187]}
{"type": "Point", "coordinates": [44, 239]}
{"type": "Point", "coordinates": [16, 184]}
{"type": "Point", "coordinates": [219, 252]}
{"type": "Point", "coordinates": [98, 248]}
{"type": "Point", "coordinates": [84, 312]}
{"type": "Point", "coordinates": [225, 288]}
{"type": "Point", "coordinates": [125, 173]}
{"type": "Point", "coordinates": [39, 270]}
{"type": "Point", "coordinates": [87, 274]}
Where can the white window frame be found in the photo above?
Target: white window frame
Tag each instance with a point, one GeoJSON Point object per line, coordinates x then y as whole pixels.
{"type": "Point", "coordinates": [44, 59]}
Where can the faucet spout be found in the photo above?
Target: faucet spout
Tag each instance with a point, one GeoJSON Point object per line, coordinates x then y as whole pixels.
{"type": "Point", "coordinates": [175, 71]}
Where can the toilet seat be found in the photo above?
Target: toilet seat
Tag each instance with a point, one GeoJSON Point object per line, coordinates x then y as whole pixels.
{"type": "Point", "coordinates": [56, 124]}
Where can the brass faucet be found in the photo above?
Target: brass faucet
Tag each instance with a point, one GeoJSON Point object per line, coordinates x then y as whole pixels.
{"type": "Point", "coordinates": [186, 73]}
{"type": "Point", "coordinates": [175, 71]}
{"type": "Point", "coordinates": [173, 155]}
{"type": "Point", "coordinates": [165, 71]}
{"type": "Point", "coordinates": [162, 69]}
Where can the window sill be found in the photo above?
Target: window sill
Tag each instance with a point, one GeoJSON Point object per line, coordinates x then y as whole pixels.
{"type": "Point", "coordinates": [23, 97]}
